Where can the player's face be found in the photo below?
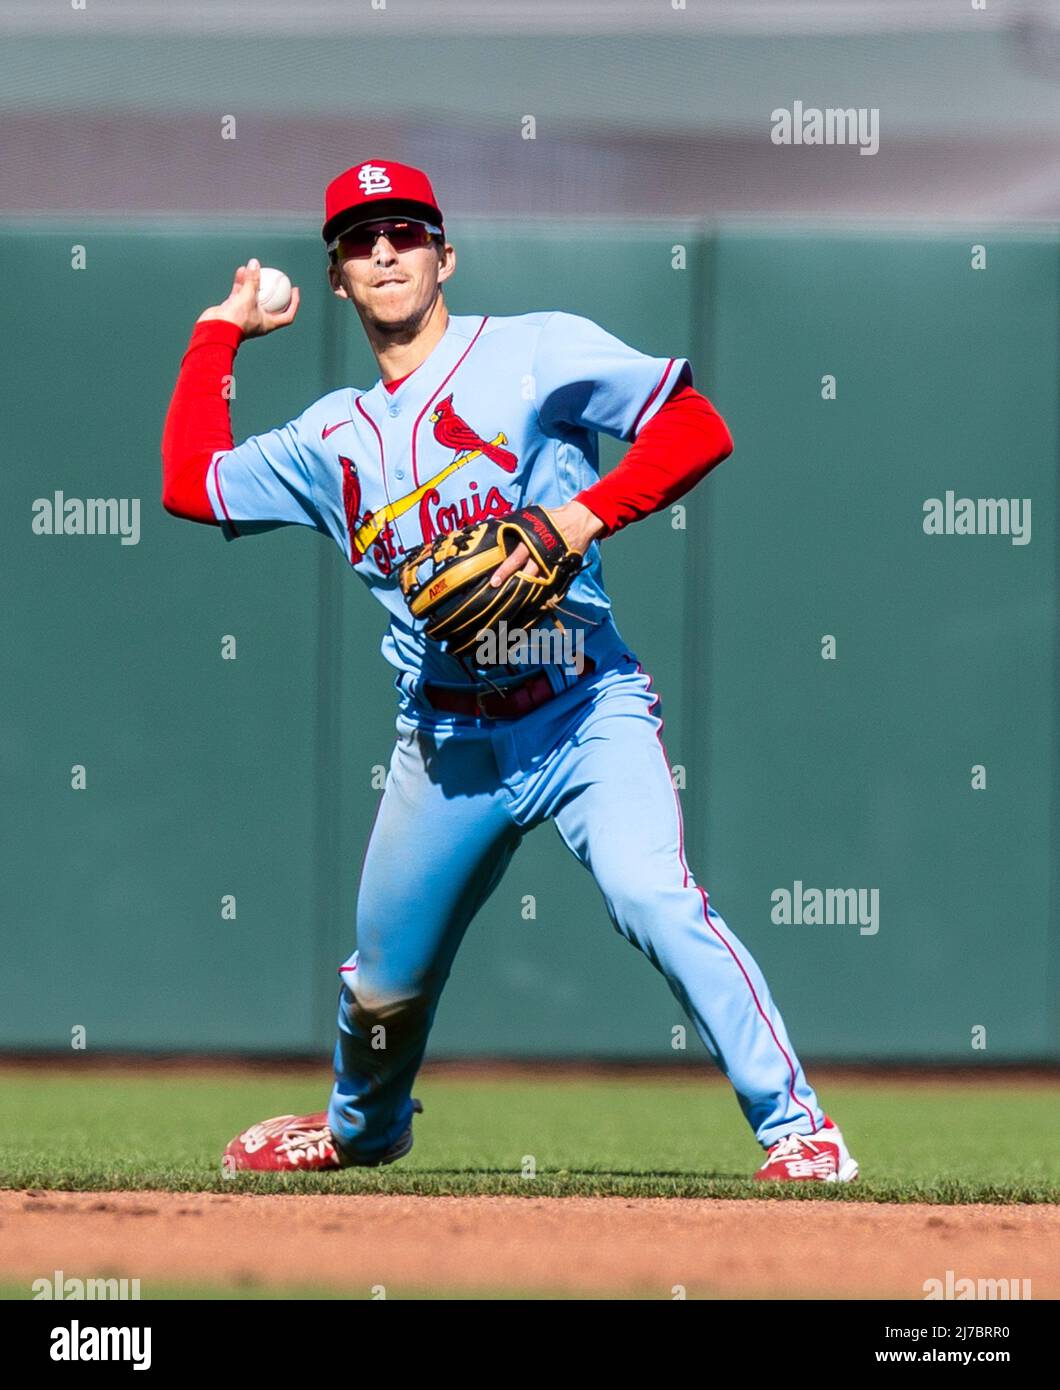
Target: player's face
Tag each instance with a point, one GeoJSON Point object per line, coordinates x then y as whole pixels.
{"type": "Point", "coordinates": [393, 289]}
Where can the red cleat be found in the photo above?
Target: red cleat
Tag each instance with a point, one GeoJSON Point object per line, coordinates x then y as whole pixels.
{"type": "Point", "coordinates": [300, 1144]}
{"type": "Point", "coordinates": [820, 1157]}
{"type": "Point", "coordinates": [287, 1144]}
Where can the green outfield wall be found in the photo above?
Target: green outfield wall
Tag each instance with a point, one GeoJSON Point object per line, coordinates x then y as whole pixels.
{"type": "Point", "coordinates": [257, 777]}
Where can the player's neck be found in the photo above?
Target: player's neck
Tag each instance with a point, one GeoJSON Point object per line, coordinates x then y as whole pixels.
{"type": "Point", "coordinates": [402, 352]}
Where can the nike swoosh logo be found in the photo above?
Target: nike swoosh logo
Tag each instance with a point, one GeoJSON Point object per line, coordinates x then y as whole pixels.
{"type": "Point", "coordinates": [330, 429]}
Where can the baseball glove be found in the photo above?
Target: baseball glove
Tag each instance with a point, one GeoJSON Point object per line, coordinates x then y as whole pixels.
{"type": "Point", "coordinates": [447, 581]}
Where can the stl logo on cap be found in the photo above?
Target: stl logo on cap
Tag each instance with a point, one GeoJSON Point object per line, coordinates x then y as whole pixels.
{"type": "Point", "coordinates": [373, 178]}
{"type": "Point", "coordinates": [362, 188]}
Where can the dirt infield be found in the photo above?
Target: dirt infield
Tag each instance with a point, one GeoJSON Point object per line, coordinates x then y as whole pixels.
{"type": "Point", "coordinates": [567, 1246]}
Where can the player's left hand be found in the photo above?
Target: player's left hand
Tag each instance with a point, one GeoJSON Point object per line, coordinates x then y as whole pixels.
{"type": "Point", "coordinates": [578, 526]}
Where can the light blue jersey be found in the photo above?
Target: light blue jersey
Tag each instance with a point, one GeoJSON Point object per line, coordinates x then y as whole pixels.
{"type": "Point", "coordinates": [504, 412]}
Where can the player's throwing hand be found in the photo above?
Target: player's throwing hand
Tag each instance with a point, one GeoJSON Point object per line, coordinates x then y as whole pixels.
{"type": "Point", "coordinates": [242, 307]}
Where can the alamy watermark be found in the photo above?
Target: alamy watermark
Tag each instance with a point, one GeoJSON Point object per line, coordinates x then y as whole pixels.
{"type": "Point", "coordinates": [60, 1286]}
{"type": "Point", "coordinates": [537, 646]}
{"type": "Point", "coordinates": [835, 125]}
{"type": "Point", "coordinates": [828, 907]}
{"type": "Point", "coordinates": [978, 516]}
{"type": "Point", "coordinates": [953, 1288]}
{"type": "Point", "coordinates": [60, 515]}
{"type": "Point", "coordinates": [77, 1343]}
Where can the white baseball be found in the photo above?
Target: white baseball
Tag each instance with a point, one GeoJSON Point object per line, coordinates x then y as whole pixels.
{"type": "Point", "coordinates": [274, 290]}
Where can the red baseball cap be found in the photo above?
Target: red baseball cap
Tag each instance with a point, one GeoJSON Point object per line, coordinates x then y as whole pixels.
{"type": "Point", "coordinates": [377, 188]}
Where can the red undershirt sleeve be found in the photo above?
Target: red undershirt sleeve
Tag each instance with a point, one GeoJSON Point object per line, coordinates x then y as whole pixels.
{"type": "Point", "coordinates": [198, 424]}
{"type": "Point", "coordinates": [678, 447]}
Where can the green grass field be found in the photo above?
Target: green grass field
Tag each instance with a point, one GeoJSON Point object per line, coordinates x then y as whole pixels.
{"type": "Point", "coordinates": [600, 1136]}
{"type": "Point", "coordinates": [12, 1292]}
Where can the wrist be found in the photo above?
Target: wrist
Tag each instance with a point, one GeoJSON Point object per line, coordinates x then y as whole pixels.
{"type": "Point", "coordinates": [579, 525]}
{"type": "Point", "coordinates": [217, 313]}
{"type": "Point", "coordinates": [216, 331]}
{"type": "Point", "coordinates": [593, 526]}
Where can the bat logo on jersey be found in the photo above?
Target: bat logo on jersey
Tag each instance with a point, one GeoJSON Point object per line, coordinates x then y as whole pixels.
{"type": "Point", "coordinates": [372, 530]}
{"type": "Point", "coordinates": [454, 433]}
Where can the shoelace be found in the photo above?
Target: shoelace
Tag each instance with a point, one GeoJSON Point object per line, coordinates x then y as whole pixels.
{"type": "Point", "coordinates": [791, 1146]}
{"type": "Point", "coordinates": [303, 1139]}
{"type": "Point", "coordinates": [292, 1137]}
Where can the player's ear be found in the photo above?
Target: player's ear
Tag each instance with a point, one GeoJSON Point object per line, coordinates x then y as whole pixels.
{"type": "Point", "coordinates": [446, 261]}
{"type": "Point", "coordinates": [335, 281]}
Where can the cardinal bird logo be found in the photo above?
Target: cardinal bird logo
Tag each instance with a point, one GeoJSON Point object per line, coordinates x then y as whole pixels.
{"type": "Point", "coordinates": [454, 433]}
{"type": "Point", "coordinates": [365, 533]}
{"type": "Point", "coordinates": [351, 504]}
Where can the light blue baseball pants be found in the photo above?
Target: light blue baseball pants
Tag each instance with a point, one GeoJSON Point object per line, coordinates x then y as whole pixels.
{"type": "Point", "coordinates": [453, 811]}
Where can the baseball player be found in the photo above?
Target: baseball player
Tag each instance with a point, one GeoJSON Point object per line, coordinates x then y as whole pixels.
{"type": "Point", "coordinates": [474, 417]}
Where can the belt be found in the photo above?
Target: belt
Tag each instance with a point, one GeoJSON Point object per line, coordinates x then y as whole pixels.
{"type": "Point", "coordinates": [507, 702]}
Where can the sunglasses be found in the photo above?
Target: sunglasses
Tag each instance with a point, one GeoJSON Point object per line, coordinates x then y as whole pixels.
{"type": "Point", "coordinates": [405, 234]}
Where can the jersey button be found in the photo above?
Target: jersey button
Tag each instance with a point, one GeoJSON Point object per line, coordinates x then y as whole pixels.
{"type": "Point", "coordinates": [394, 410]}
{"type": "Point", "coordinates": [399, 472]}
